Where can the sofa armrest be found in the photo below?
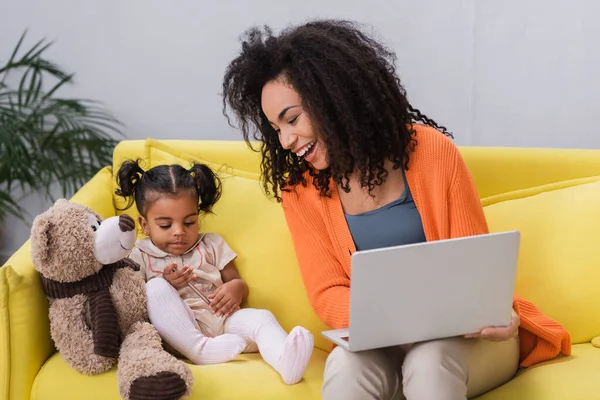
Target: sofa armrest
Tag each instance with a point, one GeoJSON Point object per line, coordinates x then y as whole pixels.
{"type": "Point", "coordinates": [25, 342]}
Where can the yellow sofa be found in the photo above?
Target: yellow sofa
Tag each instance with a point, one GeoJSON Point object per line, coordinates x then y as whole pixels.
{"type": "Point", "coordinates": [550, 195]}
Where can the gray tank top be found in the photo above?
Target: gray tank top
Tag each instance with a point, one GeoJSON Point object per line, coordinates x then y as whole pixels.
{"type": "Point", "coordinates": [394, 224]}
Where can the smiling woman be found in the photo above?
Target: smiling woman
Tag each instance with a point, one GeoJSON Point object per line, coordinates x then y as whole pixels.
{"type": "Point", "coordinates": [292, 124]}
{"type": "Point", "coordinates": [357, 166]}
{"type": "Point", "coordinates": [342, 83]}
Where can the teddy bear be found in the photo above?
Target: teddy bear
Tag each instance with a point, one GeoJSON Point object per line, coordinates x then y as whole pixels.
{"type": "Point", "coordinates": [97, 302]}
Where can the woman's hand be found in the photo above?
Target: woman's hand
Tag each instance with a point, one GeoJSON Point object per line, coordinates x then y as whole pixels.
{"type": "Point", "coordinates": [500, 333]}
{"type": "Point", "coordinates": [227, 298]}
{"type": "Point", "coordinates": [178, 278]}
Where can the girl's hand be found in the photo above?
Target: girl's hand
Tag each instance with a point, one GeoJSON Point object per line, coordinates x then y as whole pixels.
{"type": "Point", "coordinates": [178, 277]}
{"type": "Point", "coordinates": [499, 333]}
{"type": "Point", "coordinates": [227, 298]}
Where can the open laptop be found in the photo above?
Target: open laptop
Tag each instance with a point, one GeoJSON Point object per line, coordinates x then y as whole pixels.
{"type": "Point", "coordinates": [407, 294]}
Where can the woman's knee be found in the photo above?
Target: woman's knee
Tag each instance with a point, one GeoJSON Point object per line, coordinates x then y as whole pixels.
{"type": "Point", "coordinates": [343, 362]}
{"type": "Point", "coordinates": [429, 362]}
{"type": "Point", "coordinates": [360, 374]}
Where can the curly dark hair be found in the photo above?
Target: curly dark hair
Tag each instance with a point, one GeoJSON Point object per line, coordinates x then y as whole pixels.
{"type": "Point", "coordinates": [145, 187]}
{"type": "Point", "coordinates": [348, 85]}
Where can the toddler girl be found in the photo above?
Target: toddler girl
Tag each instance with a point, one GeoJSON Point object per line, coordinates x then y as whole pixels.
{"type": "Point", "coordinates": [205, 325]}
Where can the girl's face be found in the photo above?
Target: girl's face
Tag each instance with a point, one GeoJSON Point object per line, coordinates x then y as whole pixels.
{"type": "Point", "coordinates": [172, 223]}
{"type": "Point", "coordinates": [283, 107]}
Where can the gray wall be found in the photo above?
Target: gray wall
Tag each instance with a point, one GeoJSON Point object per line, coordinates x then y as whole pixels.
{"type": "Point", "coordinates": [497, 73]}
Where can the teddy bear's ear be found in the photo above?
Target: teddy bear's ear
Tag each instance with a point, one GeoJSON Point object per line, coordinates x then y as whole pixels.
{"type": "Point", "coordinates": [40, 237]}
{"type": "Point", "coordinates": [61, 202]}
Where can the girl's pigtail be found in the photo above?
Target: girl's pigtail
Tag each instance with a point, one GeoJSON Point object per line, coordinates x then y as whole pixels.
{"type": "Point", "coordinates": [128, 180]}
{"type": "Point", "coordinates": [208, 186]}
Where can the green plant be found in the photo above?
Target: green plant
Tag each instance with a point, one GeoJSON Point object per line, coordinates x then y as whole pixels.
{"type": "Point", "coordinates": [46, 140]}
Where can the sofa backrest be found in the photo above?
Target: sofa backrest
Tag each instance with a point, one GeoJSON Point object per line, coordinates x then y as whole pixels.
{"type": "Point", "coordinates": [495, 170]}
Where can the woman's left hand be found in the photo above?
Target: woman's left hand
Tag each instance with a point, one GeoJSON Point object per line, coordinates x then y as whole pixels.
{"type": "Point", "coordinates": [499, 333]}
{"type": "Point", "coordinates": [227, 298]}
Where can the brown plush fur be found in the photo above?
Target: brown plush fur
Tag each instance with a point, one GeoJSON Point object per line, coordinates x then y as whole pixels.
{"type": "Point", "coordinates": [128, 291]}
{"type": "Point", "coordinates": [75, 241]}
{"type": "Point", "coordinates": [74, 338]}
{"type": "Point", "coordinates": [63, 250]}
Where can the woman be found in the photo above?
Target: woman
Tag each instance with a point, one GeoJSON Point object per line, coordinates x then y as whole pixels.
{"type": "Point", "coordinates": [357, 167]}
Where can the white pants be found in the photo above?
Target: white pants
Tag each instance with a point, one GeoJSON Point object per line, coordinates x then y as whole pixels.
{"type": "Point", "coordinates": [249, 329]}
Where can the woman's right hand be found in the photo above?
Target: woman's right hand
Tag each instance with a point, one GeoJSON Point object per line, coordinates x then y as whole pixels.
{"type": "Point", "coordinates": [178, 278]}
{"type": "Point", "coordinates": [499, 333]}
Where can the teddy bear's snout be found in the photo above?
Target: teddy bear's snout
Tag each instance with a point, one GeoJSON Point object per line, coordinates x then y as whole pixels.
{"type": "Point", "coordinates": [126, 223]}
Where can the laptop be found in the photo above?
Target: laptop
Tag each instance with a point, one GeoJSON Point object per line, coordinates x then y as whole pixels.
{"type": "Point", "coordinates": [406, 294]}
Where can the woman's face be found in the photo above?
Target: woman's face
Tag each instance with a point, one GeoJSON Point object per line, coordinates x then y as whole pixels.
{"type": "Point", "coordinates": [283, 107]}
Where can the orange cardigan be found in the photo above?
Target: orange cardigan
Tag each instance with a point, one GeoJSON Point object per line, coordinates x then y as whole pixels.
{"type": "Point", "coordinates": [447, 200]}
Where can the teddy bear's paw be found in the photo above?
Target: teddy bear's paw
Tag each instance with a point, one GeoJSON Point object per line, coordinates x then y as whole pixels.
{"type": "Point", "coordinates": [162, 386]}
{"type": "Point", "coordinates": [144, 364]}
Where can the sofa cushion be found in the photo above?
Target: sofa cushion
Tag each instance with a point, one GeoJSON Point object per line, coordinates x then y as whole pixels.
{"type": "Point", "coordinates": [498, 170]}
{"type": "Point", "coordinates": [255, 228]}
{"type": "Point", "coordinates": [559, 261]}
{"type": "Point", "coordinates": [159, 153]}
{"type": "Point", "coordinates": [574, 377]}
{"type": "Point", "coordinates": [247, 377]}
{"type": "Point", "coordinates": [532, 191]}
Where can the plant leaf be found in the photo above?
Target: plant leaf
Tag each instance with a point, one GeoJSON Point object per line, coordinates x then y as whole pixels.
{"type": "Point", "coordinates": [9, 207]}
{"type": "Point", "coordinates": [47, 140]}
